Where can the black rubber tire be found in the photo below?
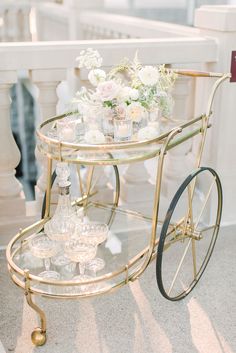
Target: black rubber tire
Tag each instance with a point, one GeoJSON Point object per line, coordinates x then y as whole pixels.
{"type": "Point", "coordinates": [165, 227]}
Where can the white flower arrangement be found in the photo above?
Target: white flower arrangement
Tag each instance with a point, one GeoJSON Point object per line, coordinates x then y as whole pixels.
{"type": "Point", "coordinates": [128, 90]}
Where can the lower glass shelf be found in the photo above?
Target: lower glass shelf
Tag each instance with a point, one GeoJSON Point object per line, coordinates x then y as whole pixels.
{"type": "Point", "coordinates": [123, 253]}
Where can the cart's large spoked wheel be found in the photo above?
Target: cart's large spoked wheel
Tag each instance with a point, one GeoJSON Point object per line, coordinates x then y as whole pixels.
{"type": "Point", "coordinates": [189, 233]}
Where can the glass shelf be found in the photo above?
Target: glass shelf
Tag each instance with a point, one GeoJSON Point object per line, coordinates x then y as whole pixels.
{"type": "Point", "coordinates": [128, 240]}
{"type": "Point", "coordinates": [110, 152]}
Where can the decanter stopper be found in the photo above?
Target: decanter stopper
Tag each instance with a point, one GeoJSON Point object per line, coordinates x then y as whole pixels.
{"type": "Point", "coordinates": [63, 174]}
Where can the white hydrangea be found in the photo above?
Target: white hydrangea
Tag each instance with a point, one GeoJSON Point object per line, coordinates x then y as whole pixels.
{"type": "Point", "coordinates": [148, 133]}
{"type": "Point", "coordinates": [90, 59]}
{"type": "Point", "coordinates": [127, 93]}
{"type": "Point", "coordinates": [96, 76]}
{"type": "Point", "coordinates": [148, 75]}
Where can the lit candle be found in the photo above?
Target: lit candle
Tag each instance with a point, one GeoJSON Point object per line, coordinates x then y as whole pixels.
{"type": "Point", "coordinates": [66, 131]}
{"type": "Point", "coordinates": [122, 131]}
{"type": "Point", "coordinates": [67, 134]}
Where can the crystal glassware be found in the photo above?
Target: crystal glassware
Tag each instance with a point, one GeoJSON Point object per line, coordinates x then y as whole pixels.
{"type": "Point", "coordinates": [62, 224]}
{"type": "Point", "coordinates": [154, 115]}
{"type": "Point", "coordinates": [63, 265]}
{"type": "Point", "coordinates": [80, 252]}
{"type": "Point", "coordinates": [95, 265]}
{"type": "Point", "coordinates": [123, 129]}
{"type": "Point", "coordinates": [66, 130]}
{"type": "Point", "coordinates": [94, 233]}
{"type": "Point", "coordinates": [44, 248]}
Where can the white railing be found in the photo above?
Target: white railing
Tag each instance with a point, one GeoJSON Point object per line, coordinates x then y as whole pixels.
{"type": "Point", "coordinates": [56, 21]}
{"type": "Point", "coordinates": [49, 63]}
{"type": "Point", "coordinates": [15, 21]}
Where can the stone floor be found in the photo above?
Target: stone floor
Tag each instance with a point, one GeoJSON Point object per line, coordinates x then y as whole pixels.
{"type": "Point", "coordinates": [135, 319]}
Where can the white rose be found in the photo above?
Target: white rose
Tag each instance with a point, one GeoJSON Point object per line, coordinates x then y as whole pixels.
{"type": "Point", "coordinates": [107, 90]}
{"type": "Point", "coordinates": [96, 76]}
{"type": "Point", "coordinates": [148, 75]}
{"type": "Point", "coordinates": [94, 137]}
{"type": "Point", "coordinates": [148, 133]}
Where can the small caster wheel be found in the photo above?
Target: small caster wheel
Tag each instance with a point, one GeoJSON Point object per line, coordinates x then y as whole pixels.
{"type": "Point", "coordinates": [38, 337]}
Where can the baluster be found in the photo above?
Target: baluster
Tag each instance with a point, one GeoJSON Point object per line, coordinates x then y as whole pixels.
{"type": "Point", "coordinates": [12, 201]}
{"type": "Point", "coordinates": [5, 25]}
{"type": "Point", "coordinates": [47, 82]}
{"type": "Point", "coordinates": [24, 27]}
{"type": "Point", "coordinates": [179, 161]}
{"type": "Point", "coordinates": [1, 24]}
{"type": "Point", "coordinates": [12, 24]}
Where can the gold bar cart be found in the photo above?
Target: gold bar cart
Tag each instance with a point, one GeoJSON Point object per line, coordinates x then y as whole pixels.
{"type": "Point", "coordinates": [182, 244]}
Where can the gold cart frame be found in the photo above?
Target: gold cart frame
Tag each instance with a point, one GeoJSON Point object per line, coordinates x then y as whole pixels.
{"type": "Point", "coordinates": [68, 152]}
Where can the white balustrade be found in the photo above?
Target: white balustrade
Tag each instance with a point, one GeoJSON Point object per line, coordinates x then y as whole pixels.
{"type": "Point", "coordinates": [47, 82]}
{"type": "Point", "coordinates": [195, 47]}
{"type": "Point", "coordinates": [177, 164]}
{"type": "Point", "coordinates": [220, 22]}
{"type": "Point", "coordinates": [15, 21]}
{"type": "Point", "coordinates": [9, 152]}
{"type": "Point", "coordinates": [11, 194]}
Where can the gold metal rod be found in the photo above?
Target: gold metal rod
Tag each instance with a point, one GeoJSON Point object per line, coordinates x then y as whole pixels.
{"type": "Point", "coordinates": [123, 211]}
{"type": "Point", "coordinates": [80, 181]}
{"type": "Point", "coordinates": [111, 146]}
{"type": "Point", "coordinates": [156, 202]}
{"type": "Point", "coordinates": [48, 190]}
{"type": "Point", "coordinates": [208, 113]}
{"type": "Point", "coordinates": [32, 304]}
{"type": "Point", "coordinates": [196, 73]}
{"type": "Point", "coordinates": [88, 185]}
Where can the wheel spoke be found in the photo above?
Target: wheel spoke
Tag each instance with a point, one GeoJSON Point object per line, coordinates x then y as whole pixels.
{"type": "Point", "coordinates": [207, 228]}
{"type": "Point", "coordinates": [205, 202]}
{"type": "Point", "coordinates": [190, 217]}
{"type": "Point", "coordinates": [179, 267]}
{"type": "Point", "coordinates": [194, 258]}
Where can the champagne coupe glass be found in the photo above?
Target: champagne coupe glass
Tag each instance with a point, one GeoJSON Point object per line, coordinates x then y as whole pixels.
{"type": "Point", "coordinates": [44, 248]}
{"type": "Point", "coordinates": [94, 233]}
{"type": "Point", "coordinates": [63, 265]}
{"type": "Point", "coordinates": [95, 265]}
{"type": "Point", "coordinates": [80, 252]}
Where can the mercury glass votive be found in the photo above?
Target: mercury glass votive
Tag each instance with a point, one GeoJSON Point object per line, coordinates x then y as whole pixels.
{"type": "Point", "coordinates": [123, 130]}
{"type": "Point", "coordinates": [66, 130]}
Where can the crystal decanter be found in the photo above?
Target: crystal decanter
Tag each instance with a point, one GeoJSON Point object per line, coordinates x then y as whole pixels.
{"type": "Point", "coordinates": [62, 225]}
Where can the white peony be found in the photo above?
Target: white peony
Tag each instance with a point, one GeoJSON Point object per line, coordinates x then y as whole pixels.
{"type": "Point", "coordinates": [94, 137]}
{"type": "Point", "coordinates": [127, 94]}
{"type": "Point", "coordinates": [148, 75]}
{"type": "Point", "coordinates": [96, 76]}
